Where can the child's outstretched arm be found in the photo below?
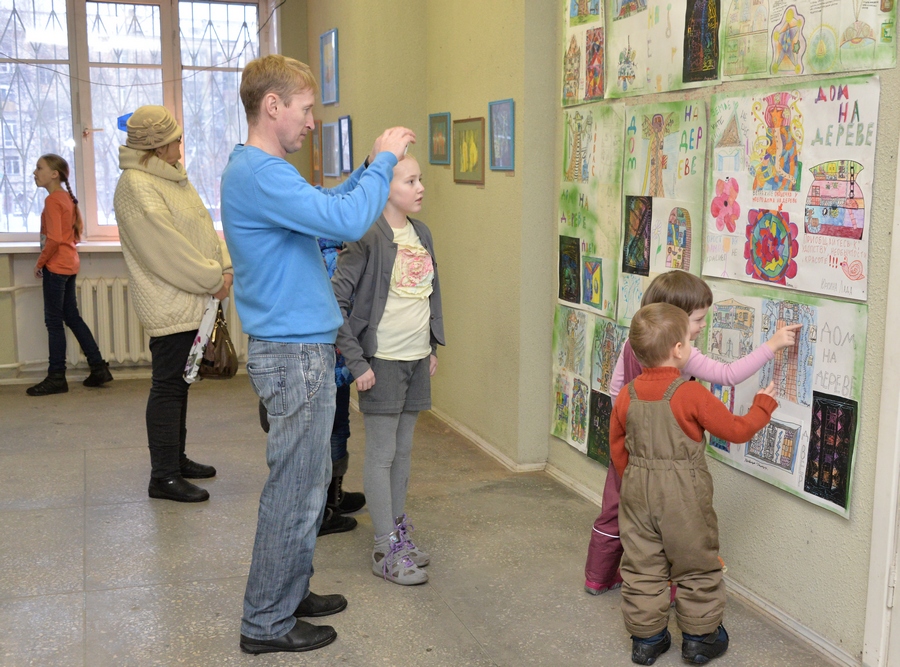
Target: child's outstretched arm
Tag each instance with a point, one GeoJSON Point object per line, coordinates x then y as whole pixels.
{"type": "Point", "coordinates": [712, 415]}
{"type": "Point", "coordinates": [703, 368]}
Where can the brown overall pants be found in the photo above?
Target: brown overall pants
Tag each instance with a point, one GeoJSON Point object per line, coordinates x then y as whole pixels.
{"type": "Point", "coordinates": [668, 526]}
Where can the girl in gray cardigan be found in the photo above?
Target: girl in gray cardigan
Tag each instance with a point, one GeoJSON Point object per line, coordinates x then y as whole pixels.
{"type": "Point", "coordinates": [387, 287]}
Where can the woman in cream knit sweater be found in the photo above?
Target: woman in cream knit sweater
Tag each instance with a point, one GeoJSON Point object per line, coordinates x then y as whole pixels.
{"type": "Point", "coordinates": [175, 261]}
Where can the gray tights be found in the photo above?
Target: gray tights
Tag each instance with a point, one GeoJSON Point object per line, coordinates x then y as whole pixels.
{"type": "Point", "coordinates": [389, 440]}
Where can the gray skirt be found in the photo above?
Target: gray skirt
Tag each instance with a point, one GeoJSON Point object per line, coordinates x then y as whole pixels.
{"type": "Point", "coordinates": [400, 386]}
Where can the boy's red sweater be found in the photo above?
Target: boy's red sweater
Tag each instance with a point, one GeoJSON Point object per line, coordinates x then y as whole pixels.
{"type": "Point", "coordinates": [696, 410]}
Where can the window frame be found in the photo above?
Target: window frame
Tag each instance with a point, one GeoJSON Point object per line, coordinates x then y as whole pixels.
{"type": "Point", "coordinates": [80, 91]}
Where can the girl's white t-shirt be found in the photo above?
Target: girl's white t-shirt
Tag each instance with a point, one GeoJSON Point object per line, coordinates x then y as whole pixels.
{"type": "Point", "coordinates": [404, 333]}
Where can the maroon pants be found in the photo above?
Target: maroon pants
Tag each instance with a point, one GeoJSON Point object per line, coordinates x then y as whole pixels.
{"type": "Point", "coordinates": [605, 548]}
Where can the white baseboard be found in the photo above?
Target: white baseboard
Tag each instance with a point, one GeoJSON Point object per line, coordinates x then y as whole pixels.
{"type": "Point", "coordinates": [485, 446]}
{"type": "Point", "coordinates": [816, 641]}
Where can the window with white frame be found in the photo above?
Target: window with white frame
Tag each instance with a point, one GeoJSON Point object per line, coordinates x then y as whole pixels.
{"type": "Point", "coordinates": [63, 98]}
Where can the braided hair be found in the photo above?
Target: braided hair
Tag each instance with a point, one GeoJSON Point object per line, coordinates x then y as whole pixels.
{"type": "Point", "coordinates": [59, 165]}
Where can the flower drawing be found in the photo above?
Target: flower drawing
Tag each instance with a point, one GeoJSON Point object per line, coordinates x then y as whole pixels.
{"type": "Point", "coordinates": [725, 208]}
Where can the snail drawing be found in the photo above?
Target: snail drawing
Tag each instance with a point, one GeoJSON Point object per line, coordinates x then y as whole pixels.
{"type": "Point", "coordinates": [853, 270]}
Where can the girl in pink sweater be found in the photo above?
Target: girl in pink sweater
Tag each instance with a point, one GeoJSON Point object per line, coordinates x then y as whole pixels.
{"type": "Point", "coordinates": [693, 296]}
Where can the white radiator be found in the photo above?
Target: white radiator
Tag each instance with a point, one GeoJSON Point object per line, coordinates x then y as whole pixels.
{"type": "Point", "coordinates": [105, 305]}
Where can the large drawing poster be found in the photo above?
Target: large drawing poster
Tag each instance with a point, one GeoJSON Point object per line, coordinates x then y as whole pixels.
{"type": "Point", "coordinates": [657, 45]}
{"type": "Point", "coordinates": [584, 52]}
{"type": "Point", "coordinates": [662, 187]}
{"type": "Point", "coordinates": [790, 186]}
{"type": "Point", "coordinates": [589, 207]}
{"type": "Point", "coordinates": [573, 332]}
{"type": "Point", "coordinates": [608, 340]}
{"type": "Point", "coordinates": [809, 446]}
{"type": "Point", "coordinates": [764, 38]}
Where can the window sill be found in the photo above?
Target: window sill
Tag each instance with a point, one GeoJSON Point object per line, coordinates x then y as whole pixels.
{"type": "Point", "coordinates": [34, 247]}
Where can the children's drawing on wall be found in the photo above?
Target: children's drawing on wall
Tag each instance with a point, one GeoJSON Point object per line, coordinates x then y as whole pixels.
{"type": "Point", "coordinates": [608, 340]}
{"type": "Point", "coordinates": [831, 440]}
{"type": "Point", "coordinates": [789, 185]}
{"type": "Point", "coordinates": [660, 45]}
{"type": "Point", "coordinates": [598, 431]}
{"type": "Point", "coordinates": [662, 184]}
{"type": "Point", "coordinates": [764, 38]}
{"type": "Point", "coordinates": [589, 206]}
{"type": "Point", "coordinates": [808, 447]}
{"type": "Point", "coordinates": [573, 332]}
{"type": "Point", "coordinates": [701, 41]}
{"type": "Point", "coordinates": [584, 52]}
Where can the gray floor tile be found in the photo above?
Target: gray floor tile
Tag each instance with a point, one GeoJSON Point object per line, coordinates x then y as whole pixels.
{"type": "Point", "coordinates": [41, 552]}
{"type": "Point", "coordinates": [35, 481]}
{"type": "Point", "coordinates": [45, 631]}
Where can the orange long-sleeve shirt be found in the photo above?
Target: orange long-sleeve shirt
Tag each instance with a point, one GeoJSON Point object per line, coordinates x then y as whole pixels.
{"type": "Point", "coordinates": [696, 410]}
{"type": "Point", "coordinates": [58, 251]}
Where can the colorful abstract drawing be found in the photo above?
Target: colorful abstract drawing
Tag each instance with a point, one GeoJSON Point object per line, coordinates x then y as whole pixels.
{"type": "Point", "coordinates": [569, 269]}
{"type": "Point", "coordinates": [592, 284]}
{"type": "Point", "coordinates": [701, 41]}
{"type": "Point", "coordinates": [625, 8]}
{"type": "Point", "coordinates": [607, 345]}
{"type": "Point", "coordinates": [626, 70]}
{"type": "Point", "coordinates": [725, 207]}
{"type": "Point", "coordinates": [771, 246]}
{"type": "Point", "coordinates": [724, 393]}
{"type": "Point", "coordinates": [832, 434]}
{"type": "Point", "coordinates": [655, 128]}
{"type": "Point", "coordinates": [560, 424]}
{"type": "Point", "coordinates": [595, 50]}
{"type": "Point", "coordinates": [636, 244]}
{"type": "Point", "coordinates": [776, 444]}
{"type": "Point", "coordinates": [678, 239]}
{"type": "Point", "coordinates": [571, 72]}
{"type": "Point", "coordinates": [823, 50]}
{"type": "Point", "coordinates": [579, 146]}
{"type": "Point", "coordinates": [789, 43]}
{"type": "Point", "coordinates": [775, 157]}
{"type": "Point", "coordinates": [792, 368]}
{"type": "Point", "coordinates": [746, 33]}
{"type": "Point", "coordinates": [581, 398]}
{"type": "Point", "coordinates": [598, 432]}
{"type": "Point", "coordinates": [835, 205]}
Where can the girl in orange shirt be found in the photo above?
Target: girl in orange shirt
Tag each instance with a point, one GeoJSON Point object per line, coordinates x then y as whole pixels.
{"type": "Point", "coordinates": [61, 227]}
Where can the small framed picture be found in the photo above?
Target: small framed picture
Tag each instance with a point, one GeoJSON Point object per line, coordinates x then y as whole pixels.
{"type": "Point", "coordinates": [328, 61]}
{"type": "Point", "coordinates": [346, 144]}
{"type": "Point", "coordinates": [439, 138]}
{"type": "Point", "coordinates": [503, 135]}
{"type": "Point", "coordinates": [331, 149]}
{"type": "Point", "coordinates": [316, 149]}
{"type": "Point", "coordinates": [468, 151]}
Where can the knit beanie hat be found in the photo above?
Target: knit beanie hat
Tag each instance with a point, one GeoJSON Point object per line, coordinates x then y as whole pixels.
{"type": "Point", "coordinates": [150, 127]}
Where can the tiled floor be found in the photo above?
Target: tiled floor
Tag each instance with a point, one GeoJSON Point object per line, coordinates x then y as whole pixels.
{"type": "Point", "coordinates": [94, 574]}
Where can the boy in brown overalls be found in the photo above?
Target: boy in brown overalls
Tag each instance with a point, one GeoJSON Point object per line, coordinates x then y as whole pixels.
{"type": "Point", "coordinates": [668, 526]}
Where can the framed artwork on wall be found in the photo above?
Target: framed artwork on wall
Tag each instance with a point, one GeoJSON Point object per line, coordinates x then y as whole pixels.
{"type": "Point", "coordinates": [328, 62]}
{"type": "Point", "coordinates": [502, 115]}
{"type": "Point", "coordinates": [331, 149]}
{"type": "Point", "coordinates": [439, 138]}
{"type": "Point", "coordinates": [315, 145]}
{"type": "Point", "coordinates": [346, 144]}
{"type": "Point", "coordinates": [468, 151]}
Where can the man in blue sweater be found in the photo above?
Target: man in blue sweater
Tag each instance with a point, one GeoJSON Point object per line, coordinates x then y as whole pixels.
{"type": "Point", "coordinates": [272, 217]}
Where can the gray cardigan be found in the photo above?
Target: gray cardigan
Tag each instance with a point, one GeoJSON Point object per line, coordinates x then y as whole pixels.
{"type": "Point", "coordinates": [361, 283]}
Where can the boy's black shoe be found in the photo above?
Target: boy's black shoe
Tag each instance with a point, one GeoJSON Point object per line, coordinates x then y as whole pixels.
{"type": "Point", "coordinates": [336, 523]}
{"type": "Point", "coordinates": [699, 649]}
{"type": "Point", "coordinates": [646, 651]}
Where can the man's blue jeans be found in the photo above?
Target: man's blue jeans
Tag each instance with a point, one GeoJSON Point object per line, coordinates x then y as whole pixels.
{"type": "Point", "coordinates": [295, 382]}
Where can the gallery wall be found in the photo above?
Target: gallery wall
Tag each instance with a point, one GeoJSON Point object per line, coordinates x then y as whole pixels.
{"type": "Point", "coordinates": [497, 252]}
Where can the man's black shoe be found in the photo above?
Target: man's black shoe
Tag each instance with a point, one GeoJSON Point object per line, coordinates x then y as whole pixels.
{"type": "Point", "coordinates": [702, 650]}
{"type": "Point", "coordinates": [302, 637]}
{"type": "Point", "coordinates": [193, 470]}
{"type": "Point", "coordinates": [643, 653]}
{"type": "Point", "coordinates": [321, 605]}
{"type": "Point", "coordinates": [176, 488]}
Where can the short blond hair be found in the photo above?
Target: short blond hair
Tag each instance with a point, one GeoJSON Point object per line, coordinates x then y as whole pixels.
{"type": "Point", "coordinates": [655, 330]}
{"type": "Point", "coordinates": [273, 74]}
